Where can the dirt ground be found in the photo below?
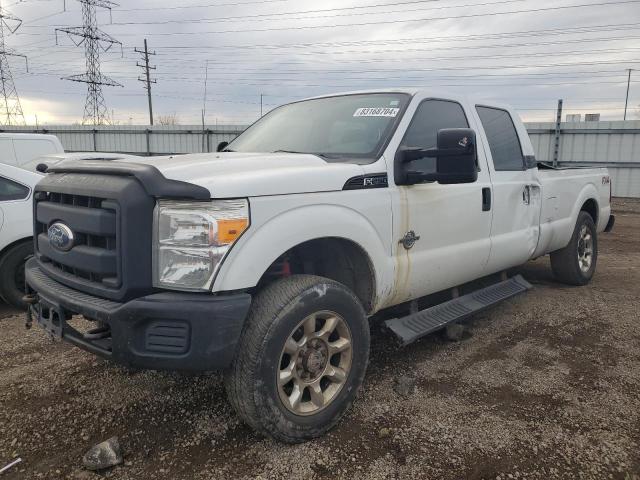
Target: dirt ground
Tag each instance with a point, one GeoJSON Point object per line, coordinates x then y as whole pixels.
{"type": "Point", "coordinates": [546, 385]}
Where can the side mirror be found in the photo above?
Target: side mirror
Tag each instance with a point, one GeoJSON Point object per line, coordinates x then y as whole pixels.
{"type": "Point", "coordinates": [222, 146]}
{"type": "Point", "coordinates": [456, 159]}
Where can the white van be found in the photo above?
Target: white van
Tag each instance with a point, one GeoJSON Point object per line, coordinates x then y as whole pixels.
{"type": "Point", "coordinates": [19, 148]}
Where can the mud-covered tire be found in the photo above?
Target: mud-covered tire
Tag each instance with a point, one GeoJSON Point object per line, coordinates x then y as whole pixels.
{"type": "Point", "coordinates": [12, 273]}
{"type": "Point", "coordinates": [277, 311]}
{"type": "Point", "coordinates": [568, 264]}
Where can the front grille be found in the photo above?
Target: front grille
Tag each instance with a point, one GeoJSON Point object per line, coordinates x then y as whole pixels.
{"type": "Point", "coordinates": [111, 217]}
{"type": "Point", "coordinates": [93, 220]}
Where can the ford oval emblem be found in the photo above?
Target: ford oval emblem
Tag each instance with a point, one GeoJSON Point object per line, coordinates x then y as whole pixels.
{"type": "Point", "coordinates": [60, 237]}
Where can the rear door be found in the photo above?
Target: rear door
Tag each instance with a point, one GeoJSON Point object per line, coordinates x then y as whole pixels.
{"type": "Point", "coordinates": [515, 226]}
{"type": "Point", "coordinates": [15, 206]}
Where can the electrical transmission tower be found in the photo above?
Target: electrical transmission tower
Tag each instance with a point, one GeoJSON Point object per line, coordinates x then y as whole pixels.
{"type": "Point", "coordinates": [94, 40]}
{"type": "Point", "coordinates": [10, 108]}
{"type": "Point", "coordinates": [147, 78]}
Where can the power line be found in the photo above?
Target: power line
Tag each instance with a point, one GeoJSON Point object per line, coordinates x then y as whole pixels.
{"type": "Point", "coordinates": [431, 39]}
{"type": "Point", "coordinates": [209, 5]}
{"type": "Point", "coordinates": [298, 71]}
{"type": "Point", "coordinates": [268, 16]}
{"type": "Point", "coordinates": [387, 22]}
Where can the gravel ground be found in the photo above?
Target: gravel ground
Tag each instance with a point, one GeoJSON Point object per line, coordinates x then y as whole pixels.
{"type": "Point", "coordinates": [543, 386]}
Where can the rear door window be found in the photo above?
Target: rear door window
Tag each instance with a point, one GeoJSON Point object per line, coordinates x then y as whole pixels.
{"type": "Point", "coordinates": [10, 190]}
{"type": "Point", "coordinates": [503, 139]}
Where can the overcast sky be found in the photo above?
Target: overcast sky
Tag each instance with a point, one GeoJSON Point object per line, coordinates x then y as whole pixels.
{"type": "Point", "coordinates": [525, 52]}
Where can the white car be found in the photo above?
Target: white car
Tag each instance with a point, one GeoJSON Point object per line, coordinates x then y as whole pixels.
{"type": "Point", "coordinates": [267, 259]}
{"type": "Point", "coordinates": [18, 148]}
{"type": "Point", "coordinates": [16, 229]}
{"type": "Point", "coordinates": [16, 217]}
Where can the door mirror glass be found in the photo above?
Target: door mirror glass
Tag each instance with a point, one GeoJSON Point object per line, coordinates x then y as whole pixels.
{"type": "Point", "coordinates": [455, 154]}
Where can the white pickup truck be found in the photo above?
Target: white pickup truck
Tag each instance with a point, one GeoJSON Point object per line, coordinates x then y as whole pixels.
{"type": "Point", "coordinates": [266, 260]}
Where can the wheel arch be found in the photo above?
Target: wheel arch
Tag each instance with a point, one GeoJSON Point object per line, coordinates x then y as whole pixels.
{"type": "Point", "coordinates": [591, 207]}
{"type": "Point", "coordinates": [587, 200]}
{"type": "Point", "coordinates": [295, 230]}
{"type": "Point", "coordinates": [336, 258]}
{"type": "Point", "coordinates": [13, 244]}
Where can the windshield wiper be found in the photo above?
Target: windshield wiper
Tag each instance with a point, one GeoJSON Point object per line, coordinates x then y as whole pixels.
{"type": "Point", "coordinates": [322, 155]}
{"type": "Point", "coordinates": [288, 151]}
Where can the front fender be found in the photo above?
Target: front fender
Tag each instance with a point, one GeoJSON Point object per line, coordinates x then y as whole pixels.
{"type": "Point", "coordinates": [264, 242]}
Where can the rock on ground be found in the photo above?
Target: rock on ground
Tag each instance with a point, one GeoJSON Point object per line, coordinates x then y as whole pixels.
{"type": "Point", "coordinates": [104, 455]}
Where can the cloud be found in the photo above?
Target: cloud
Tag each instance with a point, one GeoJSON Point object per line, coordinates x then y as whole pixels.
{"type": "Point", "coordinates": [530, 57]}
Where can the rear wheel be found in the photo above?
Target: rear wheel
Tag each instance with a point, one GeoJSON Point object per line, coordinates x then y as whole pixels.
{"type": "Point", "coordinates": [12, 273]}
{"type": "Point", "coordinates": [576, 263]}
{"type": "Point", "coordinates": [301, 358]}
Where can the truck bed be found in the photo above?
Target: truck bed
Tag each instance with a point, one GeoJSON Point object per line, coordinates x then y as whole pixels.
{"type": "Point", "coordinates": [559, 189]}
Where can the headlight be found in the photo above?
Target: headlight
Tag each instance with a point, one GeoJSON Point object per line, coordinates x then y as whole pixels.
{"type": "Point", "coordinates": [192, 238]}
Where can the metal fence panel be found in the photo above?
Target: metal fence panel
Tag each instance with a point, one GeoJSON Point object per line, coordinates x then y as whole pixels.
{"type": "Point", "coordinates": [615, 145]}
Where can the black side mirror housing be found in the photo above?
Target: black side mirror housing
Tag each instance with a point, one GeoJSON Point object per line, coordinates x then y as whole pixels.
{"type": "Point", "coordinates": [456, 159]}
{"type": "Point", "coordinates": [222, 146]}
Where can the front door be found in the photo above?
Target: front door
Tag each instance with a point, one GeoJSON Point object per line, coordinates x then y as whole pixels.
{"type": "Point", "coordinates": [517, 197]}
{"type": "Point", "coordinates": [441, 232]}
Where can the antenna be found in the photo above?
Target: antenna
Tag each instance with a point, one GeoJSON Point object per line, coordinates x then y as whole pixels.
{"type": "Point", "coordinates": [94, 40]}
{"type": "Point", "coordinates": [10, 108]}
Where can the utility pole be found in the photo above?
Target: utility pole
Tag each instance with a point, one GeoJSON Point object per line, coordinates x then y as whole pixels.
{"type": "Point", "coordinates": [10, 107]}
{"type": "Point", "coordinates": [556, 148]}
{"type": "Point", "coordinates": [147, 79]}
{"type": "Point", "coordinates": [94, 39]}
{"type": "Point", "coordinates": [205, 135]}
{"type": "Point", "coordinates": [626, 102]}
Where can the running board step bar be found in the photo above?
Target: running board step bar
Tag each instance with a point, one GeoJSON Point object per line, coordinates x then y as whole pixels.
{"type": "Point", "coordinates": [417, 325]}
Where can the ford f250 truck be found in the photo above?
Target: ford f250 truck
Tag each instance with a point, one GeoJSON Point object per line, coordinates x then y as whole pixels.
{"type": "Point", "coordinates": [266, 260]}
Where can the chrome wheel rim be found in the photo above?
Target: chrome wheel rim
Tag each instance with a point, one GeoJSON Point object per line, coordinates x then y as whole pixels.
{"type": "Point", "coordinates": [314, 363]}
{"type": "Point", "coordinates": [585, 249]}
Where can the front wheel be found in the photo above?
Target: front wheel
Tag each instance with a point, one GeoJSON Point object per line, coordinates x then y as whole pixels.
{"type": "Point", "coordinates": [576, 263]}
{"type": "Point", "coordinates": [301, 358]}
{"type": "Point", "coordinates": [12, 273]}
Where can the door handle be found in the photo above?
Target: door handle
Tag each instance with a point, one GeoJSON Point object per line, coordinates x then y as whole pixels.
{"type": "Point", "coordinates": [486, 199]}
{"type": "Point", "coordinates": [526, 195]}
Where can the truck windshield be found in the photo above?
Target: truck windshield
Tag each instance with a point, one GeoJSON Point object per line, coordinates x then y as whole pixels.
{"type": "Point", "coordinates": [342, 127]}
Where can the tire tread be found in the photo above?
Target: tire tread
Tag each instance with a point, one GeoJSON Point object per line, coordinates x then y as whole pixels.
{"type": "Point", "coordinates": [239, 379]}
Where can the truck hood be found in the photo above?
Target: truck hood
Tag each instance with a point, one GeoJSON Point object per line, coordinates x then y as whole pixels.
{"type": "Point", "coordinates": [232, 174]}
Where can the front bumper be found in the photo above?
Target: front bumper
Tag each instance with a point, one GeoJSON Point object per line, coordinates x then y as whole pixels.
{"type": "Point", "coordinates": [164, 331]}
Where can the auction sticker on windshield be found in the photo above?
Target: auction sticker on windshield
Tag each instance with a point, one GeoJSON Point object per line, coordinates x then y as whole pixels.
{"type": "Point", "coordinates": [376, 112]}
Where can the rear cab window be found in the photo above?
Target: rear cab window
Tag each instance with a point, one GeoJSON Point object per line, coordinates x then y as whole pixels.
{"type": "Point", "coordinates": [504, 142]}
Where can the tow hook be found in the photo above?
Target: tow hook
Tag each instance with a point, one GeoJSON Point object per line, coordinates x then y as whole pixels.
{"type": "Point", "coordinates": [29, 299]}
